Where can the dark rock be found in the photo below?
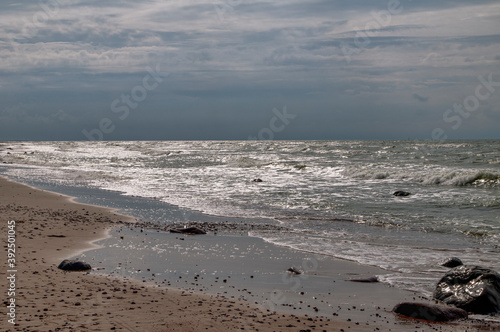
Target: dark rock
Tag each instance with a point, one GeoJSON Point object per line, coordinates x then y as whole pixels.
{"type": "Point", "coordinates": [188, 230]}
{"type": "Point", "coordinates": [367, 280]}
{"type": "Point", "coordinates": [472, 288]}
{"type": "Point", "coordinates": [74, 265]}
{"type": "Point", "coordinates": [429, 312]}
{"type": "Point", "coordinates": [401, 193]}
{"type": "Point", "coordinates": [257, 180]}
{"type": "Point", "coordinates": [452, 262]}
{"type": "Point", "coordinates": [294, 270]}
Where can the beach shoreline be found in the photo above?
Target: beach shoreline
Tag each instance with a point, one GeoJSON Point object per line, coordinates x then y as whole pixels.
{"type": "Point", "coordinates": [51, 227]}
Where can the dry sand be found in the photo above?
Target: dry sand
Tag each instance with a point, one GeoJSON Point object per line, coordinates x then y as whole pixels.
{"type": "Point", "coordinates": [51, 227]}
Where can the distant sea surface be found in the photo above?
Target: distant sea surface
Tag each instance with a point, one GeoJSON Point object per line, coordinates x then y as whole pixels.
{"type": "Point", "coordinates": [335, 197]}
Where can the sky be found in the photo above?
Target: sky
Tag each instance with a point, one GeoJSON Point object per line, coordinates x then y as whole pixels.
{"type": "Point", "coordinates": [241, 69]}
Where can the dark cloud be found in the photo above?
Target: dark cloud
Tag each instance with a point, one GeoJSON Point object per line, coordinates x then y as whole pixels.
{"type": "Point", "coordinates": [345, 72]}
{"type": "Point", "coordinates": [420, 98]}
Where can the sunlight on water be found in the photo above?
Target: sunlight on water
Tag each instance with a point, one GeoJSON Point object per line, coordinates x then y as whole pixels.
{"type": "Point", "coordinates": [336, 197]}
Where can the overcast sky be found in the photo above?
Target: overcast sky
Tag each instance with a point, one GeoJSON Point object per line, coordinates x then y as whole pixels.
{"type": "Point", "coordinates": [239, 69]}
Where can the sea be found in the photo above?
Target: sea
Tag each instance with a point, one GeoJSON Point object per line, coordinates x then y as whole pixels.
{"type": "Point", "coordinates": [332, 198]}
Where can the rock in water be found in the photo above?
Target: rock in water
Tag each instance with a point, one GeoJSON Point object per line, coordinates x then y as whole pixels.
{"type": "Point", "coordinates": [452, 262]}
{"type": "Point", "coordinates": [430, 312]}
{"type": "Point", "coordinates": [401, 193]}
{"type": "Point", "coordinates": [188, 230]}
{"type": "Point", "coordinates": [472, 288]}
{"type": "Point", "coordinates": [366, 280]}
{"type": "Point", "coordinates": [74, 265]}
{"type": "Point", "coordinates": [294, 270]}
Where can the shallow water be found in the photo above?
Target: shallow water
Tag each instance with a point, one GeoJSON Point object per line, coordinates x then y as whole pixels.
{"type": "Point", "coordinates": [334, 197]}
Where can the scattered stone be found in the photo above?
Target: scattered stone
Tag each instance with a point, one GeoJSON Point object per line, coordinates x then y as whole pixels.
{"type": "Point", "coordinates": [401, 193]}
{"type": "Point", "coordinates": [472, 288]}
{"type": "Point", "coordinates": [74, 265]}
{"type": "Point", "coordinates": [452, 262]}
{"type": "Point", "coordinates": [188, 230]}
{"type": "Point", "coordinates": [430, 312]}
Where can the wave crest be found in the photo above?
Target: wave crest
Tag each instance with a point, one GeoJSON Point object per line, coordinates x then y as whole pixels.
{"type": "Point", "coordinates": [458, 178]}
{"type": "Point", "coordinates": [462, 179]}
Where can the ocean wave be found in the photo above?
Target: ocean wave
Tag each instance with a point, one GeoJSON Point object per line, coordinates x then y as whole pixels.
{"type": "Point", "coordinates": [335, 197]}
{"type": "Point", "coordinates": [465, 178]}
{"type": "Point", "coordinates": [458, 178]}
{"type": "Point", "coordinates": [370, 174]}
{"type": "Point", "coordinates": [247, 162]}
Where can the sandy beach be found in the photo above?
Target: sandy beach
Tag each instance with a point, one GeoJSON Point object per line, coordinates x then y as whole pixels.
{"type": "Point", "coordinates": [337, 163]}
{"type": "Point", "coordinates": [50, 227]}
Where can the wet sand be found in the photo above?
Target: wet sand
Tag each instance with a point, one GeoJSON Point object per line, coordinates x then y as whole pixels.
{"type": "Point", "coordinates": [51, 227]}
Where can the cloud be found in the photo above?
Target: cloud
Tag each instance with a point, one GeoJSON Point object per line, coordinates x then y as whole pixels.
{"type": "Point", "coordinates": [241, 59]}
{"type": "Point", "coordinates": [420, 98]}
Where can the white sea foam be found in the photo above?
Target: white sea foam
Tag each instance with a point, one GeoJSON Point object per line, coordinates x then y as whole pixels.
{"type": "Point", "coordinates": [312, 187]}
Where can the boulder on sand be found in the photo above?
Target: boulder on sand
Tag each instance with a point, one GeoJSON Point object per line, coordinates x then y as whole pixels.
{"type": "Point", "coordinates": [472, 288]}
{"type": "Point", "coordinates": [429, 312]}
{"type": "Point", "coordinates": [188, 231]}
{"type": "Point", "coordinates": [452, 262]}
{"type": "Point", "coordinates": [74, 265]}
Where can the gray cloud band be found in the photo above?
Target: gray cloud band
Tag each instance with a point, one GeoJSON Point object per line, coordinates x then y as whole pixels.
{"type": "Point", "coordinates": [49, 9]}
{"type": "Point", "coordinates": [381, 19]}
{"type": "Point", "coordinates": [470, 104]}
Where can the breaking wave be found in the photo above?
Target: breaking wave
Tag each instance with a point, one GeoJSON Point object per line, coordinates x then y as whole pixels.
{"type": "Point", "coordinates": [459, 178]}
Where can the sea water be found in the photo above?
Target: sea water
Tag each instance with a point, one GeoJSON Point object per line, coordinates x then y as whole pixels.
{"type": "Point", "coordinates": [332, 197]}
